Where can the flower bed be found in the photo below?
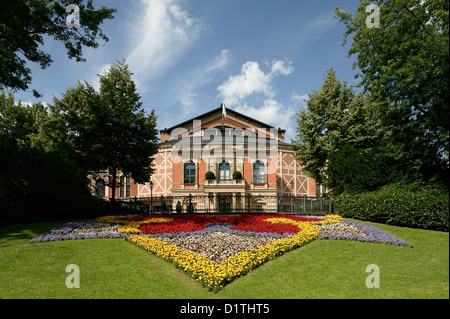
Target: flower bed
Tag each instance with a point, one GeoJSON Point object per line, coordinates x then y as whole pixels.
{"type": "Point", "coordinates": [81, 230]}
{"type": "Point", "coordinates": [246, 223]}
{"type": "Point", "coordinates": [215, 250]}
{"type": "Point", "coordinates": [367, 233]}
{"type": "Point", "coordinates": [219, 245]}
{"type": "Point", "coordinates": [214, 276]}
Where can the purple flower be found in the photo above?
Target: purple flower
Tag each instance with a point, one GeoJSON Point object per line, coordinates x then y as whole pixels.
{"type": "Point", "coordinates": [374, 235]}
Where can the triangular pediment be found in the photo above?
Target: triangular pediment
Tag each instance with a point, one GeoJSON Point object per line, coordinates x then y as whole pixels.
{"type": "Point", "coordinates": [232, 120]}
{"type": "Point", "coordinates": [213, 119]}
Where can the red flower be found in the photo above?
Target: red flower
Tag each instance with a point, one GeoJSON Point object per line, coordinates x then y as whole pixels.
{"type": "Point", "coordinates": [189, 223]}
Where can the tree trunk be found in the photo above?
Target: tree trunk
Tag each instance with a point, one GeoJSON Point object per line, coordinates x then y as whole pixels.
{"type": "Point", "coordinates": [113, 185]}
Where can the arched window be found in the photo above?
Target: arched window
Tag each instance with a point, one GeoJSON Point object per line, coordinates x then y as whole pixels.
{"type": "Point", "coordinates": [189, 172]}
{"type": "Point", "coordinates": [259, 173]}
{"type": "Point", "coordinates": [224, 170]}
{"type": "Point", "coordinates": [100, 188]}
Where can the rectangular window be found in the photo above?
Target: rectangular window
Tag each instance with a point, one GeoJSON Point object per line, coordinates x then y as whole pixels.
{"type": "Point", "coordinates": [189, 172]}
{"type": "Point", "coordinates": [224, 170]}
{"type": "Point", "coordinates": [125, 186]}
{"type": "Point", "coordinates": [320, 190]}
{"type": "Point", "coordinates": [259, 173]}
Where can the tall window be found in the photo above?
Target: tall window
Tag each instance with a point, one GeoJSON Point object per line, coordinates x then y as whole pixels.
{"type": "Point", "coordinates": [259, 173]}
{"type": "Point", "coordinates": [224, 170]}
{"type": "Point", "coordinates": [100, 188]}
{"type": "Point", "coordinates": [189, 172]}
{"type": "Point", "coordinates": [320, 190]}
{"type": "Point", "coordinates": [125, 186]}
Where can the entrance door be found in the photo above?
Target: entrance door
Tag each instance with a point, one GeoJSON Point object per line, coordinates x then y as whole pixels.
{"type": "Point", "coordinates": [224, 205]}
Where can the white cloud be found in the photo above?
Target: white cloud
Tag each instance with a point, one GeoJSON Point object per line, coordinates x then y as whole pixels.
{"type": "Point", "coordinates": [272, 112]}
{"type": "Point", "coordinates": [282, 68]}
{"type": "Point", "coordinates": [162, 33]}
{"type": "Point", "coordinates": [252, 80]}
{"type": "Point", "coordinates": [219, 62]}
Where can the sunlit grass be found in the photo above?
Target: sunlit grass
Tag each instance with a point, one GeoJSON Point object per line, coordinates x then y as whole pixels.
{"type": "Point", "coordinates": [114, 268]}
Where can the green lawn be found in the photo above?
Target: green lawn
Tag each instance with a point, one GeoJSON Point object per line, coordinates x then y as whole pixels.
{"type": "Point", "coordinates": [114, 268]}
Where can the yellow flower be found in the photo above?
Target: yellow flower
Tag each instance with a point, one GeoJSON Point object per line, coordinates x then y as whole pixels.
{"type": "Point", "coordinates": [215, 277]}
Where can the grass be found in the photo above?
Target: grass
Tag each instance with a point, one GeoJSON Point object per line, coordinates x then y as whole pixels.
{"type": "Point", "coordinates": [114, 268]}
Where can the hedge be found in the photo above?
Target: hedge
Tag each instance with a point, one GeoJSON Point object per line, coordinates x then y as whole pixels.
{"type": "Point", "coordinates": [410, 205]}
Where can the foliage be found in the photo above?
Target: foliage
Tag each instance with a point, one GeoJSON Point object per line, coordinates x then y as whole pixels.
{"type": "Point", "coordinates": [237, 175]}
{"type": "Point", "coordinates": [396, 128]}
{"type": "Point", "coordinates": [25, 23]}
{"type": "Point", "coordinates": [210, 175]}
{"type": "Point", "coordinates": [108, 130]}
{"type": "Point", "coordinates": [355, 170]}
{"type": "Point", "coordinates": [38, 186]}
{"type": "Point", "coordinates": [48, 152]}
{"type": "Point", "coordinates": [404, 65]}
{"type": "Point", "coordinates": [20, 122]}
{"type": "Point", "coordinates": [34, 185]}
{"type": "Point", "coordinates": [336, 123]}
{"type": "Point", "coordinates": [72, 125]}
{"type": "Point", "coordinates": [410, 205]}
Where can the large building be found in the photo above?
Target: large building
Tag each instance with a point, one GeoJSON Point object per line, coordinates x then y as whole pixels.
{"type": "Point", "coordinates": [223, 161]}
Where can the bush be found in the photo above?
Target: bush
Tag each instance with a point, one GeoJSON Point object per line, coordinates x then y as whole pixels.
{"type": "Point", "coordinates": [42, 187]}
{"type": "Point", "coordinates": [411, 205]}
{"type": "Point", "coordinates": [210, 175]}
{"type": "Point", "coordinates": [237, 175]}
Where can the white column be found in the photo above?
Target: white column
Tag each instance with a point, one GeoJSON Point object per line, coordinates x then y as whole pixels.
{"type": "Point", "coordinates": [233, 204]}
{"type": "Point", "coordinates": [214, 201]}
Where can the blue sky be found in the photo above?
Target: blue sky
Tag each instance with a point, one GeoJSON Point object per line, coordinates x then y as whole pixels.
{"type": "Point", "coordinates": [259, 56]}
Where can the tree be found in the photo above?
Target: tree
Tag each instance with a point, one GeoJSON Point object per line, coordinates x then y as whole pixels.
{"type": "Point", "coordinates": [74, 125]}
{"type": "Point", "coordinates": [35, 184]}
{"type": "Point", "coordinates": [22, 123]}
{"type": "Point", "coordinates": [355, 170]}
{"type": "Point", "coordinates": [334, 116]}
{"type": "Point", "coordinates": [108, 130]}
{"type": "Point", "coordinates": [342, 143]}
{"type": "Point", "coordinates": [404, 65]}
{"type": "Point", "coordinates": [23, 25]}
{"type": "Point", "coordinates": [130, 138]}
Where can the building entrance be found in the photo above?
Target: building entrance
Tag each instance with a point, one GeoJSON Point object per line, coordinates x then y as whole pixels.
{"type": "Point", "coordinates": [224, 205]}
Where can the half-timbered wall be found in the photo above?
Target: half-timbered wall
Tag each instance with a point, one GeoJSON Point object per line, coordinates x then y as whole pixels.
{"type": "Point", "coordinates": [291, 179]}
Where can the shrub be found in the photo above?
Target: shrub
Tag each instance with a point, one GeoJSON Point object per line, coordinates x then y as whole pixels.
{"type": "Point", "coordinates": [410, 205]}
{"type": "Point", "coordinates": [210, 175]}
{"type": "Point", "coordinates": [237, 175]}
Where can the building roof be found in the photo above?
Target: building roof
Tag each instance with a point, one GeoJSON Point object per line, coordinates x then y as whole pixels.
{"type": "Point", "coordinates": [219, 109]}
{"type": "Point", "coordinates": [220, 141]}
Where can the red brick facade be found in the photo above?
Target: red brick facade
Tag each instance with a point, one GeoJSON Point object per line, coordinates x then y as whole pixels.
{"type": "Point", "coordinates": [284, 177]}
